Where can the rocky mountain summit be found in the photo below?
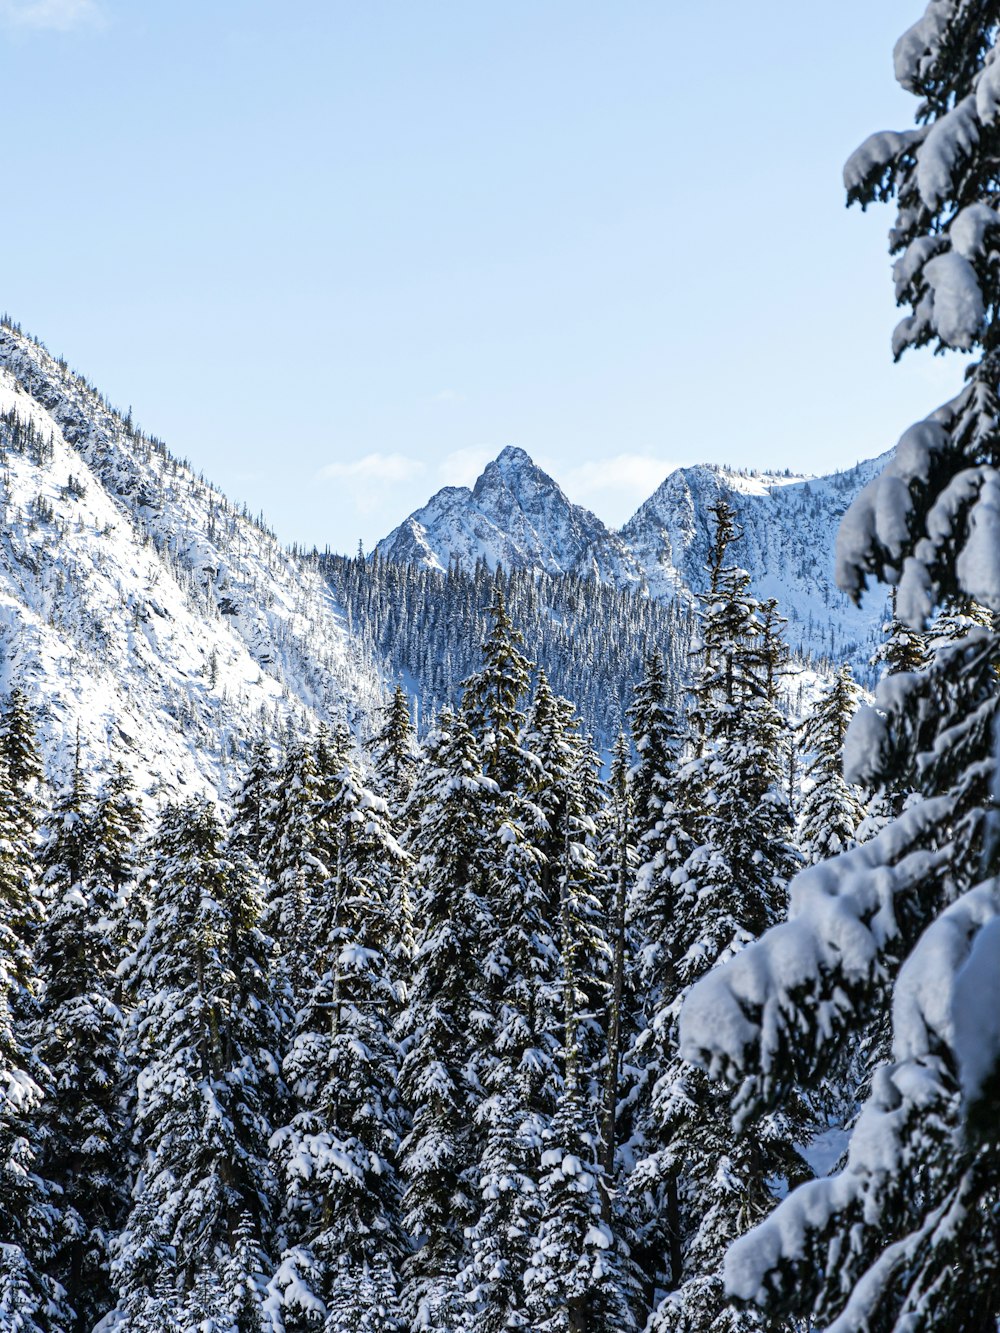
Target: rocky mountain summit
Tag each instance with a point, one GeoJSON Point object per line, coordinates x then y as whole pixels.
{"type": "Point", "coordinates": [515, 516]}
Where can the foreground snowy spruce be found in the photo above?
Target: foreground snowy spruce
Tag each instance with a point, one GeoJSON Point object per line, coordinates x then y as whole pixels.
{"type": "Point", "coordinates": [897, 942]}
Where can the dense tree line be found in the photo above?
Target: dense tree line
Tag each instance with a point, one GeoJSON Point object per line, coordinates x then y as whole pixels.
{"type": "Point", "coordinates": [428, 625]}
{"type": "Point", "coordinates": [393, 1044]}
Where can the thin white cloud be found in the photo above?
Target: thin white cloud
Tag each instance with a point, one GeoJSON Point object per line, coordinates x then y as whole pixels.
{"type": "Point", "coordinates": [55, 15]}
{"type": "Point", "coordinates": [448, 396]}
{"type": "Point", "coordinates": [463, 466]}
{"type": "Point", "coordinates": [390, 468]}
{"type": "Point", "coordinates": [365, 479]}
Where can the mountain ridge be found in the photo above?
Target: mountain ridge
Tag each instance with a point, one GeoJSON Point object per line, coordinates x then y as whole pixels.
{"type": "Point", "coordinates": [518, 516]}
{"type": "Point", "coordinates": [514, 514]}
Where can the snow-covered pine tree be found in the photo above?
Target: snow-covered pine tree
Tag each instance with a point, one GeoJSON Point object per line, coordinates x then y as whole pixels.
{"type": "Point", "coordinates": [28, 1206]}
{"type": "Point", "coordinates": [337, 1156]}
{"type": "Point", "coordinates": [903, 648]}
{"type": "Point", "coordinates": [446, 1025]}
{"type": "Point", "coordinates": [742, 822]}
{"type": "Point", "coordinates": [201, 1043]}
{"type": "Point", "coordinates": [17, 741]}
{"type": "Point", "coordinates": [658, 811]}
{"type": "Point", "coordinates": [617, 860]}
{"type": "Point", "coordinates": [24, 1302]}
{"type": "Point", "coordinates": [250, 830]}
{"type": "Point", "coordinates": [711, 1182]}
{"type": "Point", "coordinates": [623, 1086]}
{"type": "Point", "coordinates": [257, 842]}
{"type": "Point", "coordinates": [520, 1075]}
{"type": "Point", "coordinates": [364, 1300]}
{"type": "Point", "coordinates": [226, 1298]}
{"type": "Point", "coordinates": [832, 809]}
{"type": "Point", "coordinates": [242, 1281]}
{"type": "Point", "coordinates": [586, 906]}
{"type": "Point", "coordinates": [577, 1278]}
{"type": "Point", "coordinates": [491, 1280]}
{"type": "Point", "coordinates": [906, 1235]}
{"type": "Point", "coordinates": [293, 841]}
{"type": "Point", "coordinates": [78, 1031]}
{"type": "Point", "coordinates": [492, 696]}
{"type": "Point", "coordinates": [663, 820]}
{"type": "Point", "coordinates": [395, 753]}
{"type": "Point", "coordinates": [575, 1282]}
{"type": "Point", "coordinates": [557, 818]}
{"type": "Point", "coordinates": [117, 836]}
{"type": "Point", "coordinates": [662, 830]}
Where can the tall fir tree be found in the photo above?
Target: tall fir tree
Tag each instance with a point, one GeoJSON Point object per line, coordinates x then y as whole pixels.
{"type": "Point", "coordinates": [29, 1206]}
{"type": "Point", "coordinates": [337, 1156]}
{"type": "Point", "coordinates": [395, 753]}
{"type": "Point", "coordinates": [201, 1040]}
{"type": "Point", "coordinates": [521, 1075]}
{"type": "Point", "coordinates": [617, 860]}
{"type": "Point", "coordinates": [575, 1282]}
{"type": "Point", "coordinates": [661, 797]}
{"type": "Point", "coordinates": [577, 1279]}
{"type": "Point", "coordinates": [78, 1033]}
{"type": "Point", "coordinates": [832, 809]}
{"type": "Point", "coordinates": [251, 833]}
{"type": "Point", "coordinates": [710, 1182]}
{"type": "Point", "coordinates": [492, 696]}
{"type": "Point", "coordinates": [293, 844]}
{"type": "Point", "coordinates": [446, 1025]}
{"type": "Point", "coordinates": [18, 743]}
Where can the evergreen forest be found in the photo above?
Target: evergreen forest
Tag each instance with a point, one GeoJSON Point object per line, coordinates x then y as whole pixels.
{"type": "Point", "coordinates": [393, 1043]}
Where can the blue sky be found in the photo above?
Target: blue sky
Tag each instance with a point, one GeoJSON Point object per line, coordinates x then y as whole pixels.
{"type": "Point", "coordinates": [339, 254]}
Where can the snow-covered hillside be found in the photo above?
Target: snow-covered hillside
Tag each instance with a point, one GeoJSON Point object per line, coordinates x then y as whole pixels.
{"type": "Point", "coordinates": [138, 605]}
{"type": "Point", "coordinates": [789, 528]}
{"type": "Point", "coordinates": [519, 517]}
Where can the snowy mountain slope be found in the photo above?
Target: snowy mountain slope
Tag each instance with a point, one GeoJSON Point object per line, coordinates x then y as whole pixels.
{"type": "Point", "coordinates": [789, 526]}
{"type": "Point", "coordinates": [518, 516]}
{"type": "Point", "coordinates": [515, 516]}
{"type": "Point", "coordinates": [137, 604]}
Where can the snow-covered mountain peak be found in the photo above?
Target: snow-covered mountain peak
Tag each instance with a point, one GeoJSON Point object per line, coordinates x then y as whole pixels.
{"type": "Point", "coordinates": [512, 457]}
{"type": "Point", "coordinates": [789, 525]}
{"type": "Point", "coordinates": [515, 515]}
{"type": "Point", "coordinates": [515, 471]}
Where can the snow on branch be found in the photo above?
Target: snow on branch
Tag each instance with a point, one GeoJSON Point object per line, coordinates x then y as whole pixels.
{"type": "Point", "coordinates": [954, 543]}
{"type": "Point", "coordinates": [919, 45]}
{"type": "Point", "coordinates": [771, 1015]}
{"type": "Point", "coordinates": [875, 530]}
{"type": "Point", "coordinates": [944, 1016]}
{"type": "Point", "coordinates": [871, 162]}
